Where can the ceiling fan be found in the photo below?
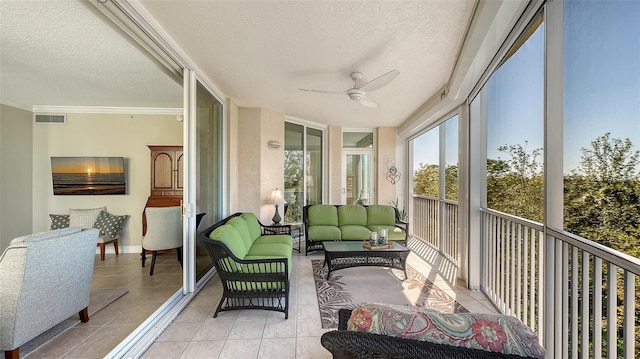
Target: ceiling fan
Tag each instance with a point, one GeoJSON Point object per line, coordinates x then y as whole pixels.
{"type": "Point", "coordinates": [358, 91]}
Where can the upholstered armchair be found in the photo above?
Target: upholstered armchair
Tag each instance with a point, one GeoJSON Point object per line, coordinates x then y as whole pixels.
{"type": "Point", "coordinates": [45, 278]}
{"type": "Point", "coordinates": [164, 232]}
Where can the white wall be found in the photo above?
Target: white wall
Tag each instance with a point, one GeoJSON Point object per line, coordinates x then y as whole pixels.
{"type": "Point", "coordinates": [101, 135]}
{"type": "Point", "coordinates": [15, 174]}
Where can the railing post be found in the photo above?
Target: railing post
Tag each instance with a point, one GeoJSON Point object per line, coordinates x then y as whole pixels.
{"type": "Point", "coordinates": [548, 314]}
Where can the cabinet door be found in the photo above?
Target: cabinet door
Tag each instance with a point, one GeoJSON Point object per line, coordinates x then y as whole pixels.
{"type": "Point", "coordinates": [179, 171]}
{"type": "Point", "coordinates": [162, 171]}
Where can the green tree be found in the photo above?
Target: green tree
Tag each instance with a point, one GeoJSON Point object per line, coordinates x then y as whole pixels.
{"type": "Point", "coordinates": [515, 186]}
{"type": "Point", "coordinates": [602, 196]}
{"type": "Point", "coordinates": [426, 180]}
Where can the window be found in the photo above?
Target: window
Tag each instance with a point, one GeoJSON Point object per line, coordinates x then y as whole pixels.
{"type": "Point", "coordinates": [602, 122]}
{"type": "Point", "coordinates": [514, 101]}
{"type": "Point", "coordinates": [303, 182]}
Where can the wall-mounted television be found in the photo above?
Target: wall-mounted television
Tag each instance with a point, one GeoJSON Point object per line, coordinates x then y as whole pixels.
{"type": "Point", "coordinates": [88, 175]}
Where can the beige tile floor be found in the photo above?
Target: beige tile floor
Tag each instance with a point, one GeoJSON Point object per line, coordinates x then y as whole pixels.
{"type": "Point", "coordinates": [263, 334]}
{"type": "Point", "coordinates": [110, 326]}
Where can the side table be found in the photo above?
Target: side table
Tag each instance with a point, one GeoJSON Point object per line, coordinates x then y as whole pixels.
{"type": "Point", "coordinates": [294, 228]}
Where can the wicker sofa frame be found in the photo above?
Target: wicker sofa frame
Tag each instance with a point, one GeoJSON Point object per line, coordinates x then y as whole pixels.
{"type": "Point", "coordinates": [311, 246]}
{"type": "Point", "coordinates": [347, 344]}
{"type": "Point", "coordinates": [249, 284]}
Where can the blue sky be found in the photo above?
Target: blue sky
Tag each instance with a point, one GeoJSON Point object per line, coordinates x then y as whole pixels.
{"type": "Point", "coordinates": [601, 79]}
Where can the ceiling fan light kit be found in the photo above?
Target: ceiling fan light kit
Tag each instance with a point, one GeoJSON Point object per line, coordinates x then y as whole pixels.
{"type": "Point", "coordinates": [358, 92]}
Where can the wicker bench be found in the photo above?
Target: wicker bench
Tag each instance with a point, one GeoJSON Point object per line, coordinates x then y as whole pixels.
{"type": "Point", "coordinates": [347, 344]}
{"type": "Point", "coordinates": [253, 262]}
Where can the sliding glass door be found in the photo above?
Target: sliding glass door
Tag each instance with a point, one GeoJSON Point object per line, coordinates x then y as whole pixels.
{"type": "Point", "coordinates": [303, 165]}
{"type": "Point", "coordinates": [208, 170]}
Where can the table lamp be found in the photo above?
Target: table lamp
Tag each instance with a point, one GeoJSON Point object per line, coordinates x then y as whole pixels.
{"type": "Point", "coordinates": [276, 199]}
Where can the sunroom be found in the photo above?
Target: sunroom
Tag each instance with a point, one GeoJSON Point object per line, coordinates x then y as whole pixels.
{"type": "Point", "coordinates": [522, 171]}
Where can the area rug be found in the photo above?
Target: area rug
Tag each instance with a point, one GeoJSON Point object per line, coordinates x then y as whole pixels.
{"type": "Point", "coordinates": [349, 287]}
{"type": "Point", "coordinates": [98, 300]}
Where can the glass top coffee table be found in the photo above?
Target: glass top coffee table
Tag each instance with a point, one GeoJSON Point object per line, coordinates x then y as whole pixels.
{"type": "Point", "coordinates": [348, 254]}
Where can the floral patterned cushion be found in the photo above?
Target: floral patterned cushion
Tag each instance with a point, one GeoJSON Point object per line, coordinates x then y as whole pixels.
{"type": "Point", "coordinates": [490, 332]}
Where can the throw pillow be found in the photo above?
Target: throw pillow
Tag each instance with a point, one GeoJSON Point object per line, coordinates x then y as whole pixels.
{"type": "Point", "coordinates": [59, 221]}
{"type": "Point", "coordinates": [490, 332]}
{"type": "Point", "coordinates": [109, 224]}
{"type": "Point", "coordinates": [84, 218]}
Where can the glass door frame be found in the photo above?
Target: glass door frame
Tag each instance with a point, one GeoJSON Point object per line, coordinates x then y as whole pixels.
{"type": "Point", "coordinates": [372, 176]}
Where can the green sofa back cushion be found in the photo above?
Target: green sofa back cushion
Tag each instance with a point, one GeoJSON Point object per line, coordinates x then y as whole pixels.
{"type": "Point", "coordinates": [324, 233]}
{"type": "Point", "coordinates": [352, 215]}
{"type": "Point", "coordinates": [382, 215]}
{"type": "Point", "coordinates": [252, 224]}
{"type": "Point", "coordinates": [323, 215]}
{"type": "Point", "coordinates": [241, 226]}
{"type": "Point", "coordinates": [228, 235]}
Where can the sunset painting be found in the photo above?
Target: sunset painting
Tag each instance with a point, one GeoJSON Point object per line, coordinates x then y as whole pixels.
{"type": "Point", "coordinates": [88, 175]}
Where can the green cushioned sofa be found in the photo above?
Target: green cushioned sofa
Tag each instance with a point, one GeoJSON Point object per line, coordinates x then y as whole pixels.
{"type": "Point", "coordinates": [328, 222]}
{"type": "Point", "coordinates": [253, 262]}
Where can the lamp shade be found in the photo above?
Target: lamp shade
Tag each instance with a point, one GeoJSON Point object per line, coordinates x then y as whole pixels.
{"type": "Point", "coordinates": [276, 197]}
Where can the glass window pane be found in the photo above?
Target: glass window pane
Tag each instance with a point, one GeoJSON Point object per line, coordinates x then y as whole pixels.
{"type": "Point", "coordinates": [602, 122]}
{"type": "Point", "coordinates": [515, 105]}
{"type": "Point", "coordinates": [293, 172]}
{"type": "Point", "coordinates": [426, 159]}
{"type": "Point", "coordinates": [451, 159]}
{"type": "Point", "coordinates": [357, 139]}
{"type": "Point", "coordinates": [209, 159]}
{"type": "Point", "coordinates": [314, 166]}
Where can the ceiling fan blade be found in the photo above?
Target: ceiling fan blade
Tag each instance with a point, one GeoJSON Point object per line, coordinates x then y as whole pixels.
{"type": "Point", "coordinates": [380, 81]}
{"type": "Point", "coordinates": [365, 101]}
{"type": "Point", "coordinates": [321, 91]}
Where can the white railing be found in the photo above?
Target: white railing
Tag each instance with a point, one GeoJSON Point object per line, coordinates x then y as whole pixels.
{"type": "Point", "coordinates": [435, 222]}
{"type": "Point", "coordinates": [565, 299]}
{"type": "Point", "coordinates": [512, 265]}
{"type": "Point", "coordinates": [426, 219]}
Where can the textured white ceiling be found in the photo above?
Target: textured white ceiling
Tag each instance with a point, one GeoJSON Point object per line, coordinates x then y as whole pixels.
{"type": "Point", "coordinates": [260, 52]}
{"type": "Point", "coordinates": [257, 52]}
{"type": "Point", "coordinates": [57, 53]}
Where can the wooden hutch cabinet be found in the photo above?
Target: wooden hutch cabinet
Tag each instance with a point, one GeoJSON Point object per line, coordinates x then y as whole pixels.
{"type": "Point", "coordinates": [167, 178]}
{"type": "Point", "coordinates": [167, 171]}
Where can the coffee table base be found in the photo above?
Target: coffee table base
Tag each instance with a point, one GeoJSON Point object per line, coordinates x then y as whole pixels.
{"type": "Point", "coordinates": [342, 260]}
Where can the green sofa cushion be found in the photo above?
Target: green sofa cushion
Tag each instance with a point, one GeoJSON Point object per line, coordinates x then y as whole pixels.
{"type": "Point", "coordinates": [241, 226]}
{"type": "Point", "coordinates": [264, 267]}
{"type": "Point", "coordinates": [276, 250]}
{"type": "Point", "coordinates": [252, 224]}
{"type": "Point", "coordinates": [323, 215]}
{"type": "Point", "coordinates": [275, 238]}
{"type": "Point", "coordinates": [228, 235]}
{"type": "Point", "coordinates": [352, 215]}
{"type": "Point", "coordinates": [381, 215]}
{"type": "Point", "coordinates": [394, 233]}
{"type": "Point", "coordinates": [359, 233]}
{"type": "Point", "coordinates": [323, 233]}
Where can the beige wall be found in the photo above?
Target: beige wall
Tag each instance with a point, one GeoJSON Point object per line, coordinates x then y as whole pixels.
{"type": "Point", "coordinates": [385, 153]}
{"type": "Point", "coordinates": [101, 135]}
{"type": "Point", "coordinates": [232, 151]}
{"type": "Point", "coordinates": [260, 169]}
{"type": "Point", "coordinates": [334, 158]}
{"type": "Point", "coordinates": [16, 203]}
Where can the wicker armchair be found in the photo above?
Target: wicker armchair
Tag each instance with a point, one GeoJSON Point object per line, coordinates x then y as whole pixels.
{"type": "Point", "coordinates": [251, 283]}
{"type": "Point", "coordinates": [346, 344]}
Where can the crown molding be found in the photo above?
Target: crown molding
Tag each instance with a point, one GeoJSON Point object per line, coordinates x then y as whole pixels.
{"type": "Point", "coordinates": [110, 110]}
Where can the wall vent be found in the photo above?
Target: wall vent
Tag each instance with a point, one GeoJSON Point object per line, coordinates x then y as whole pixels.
{"type": "Point", "coordinates": [50, 118]}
